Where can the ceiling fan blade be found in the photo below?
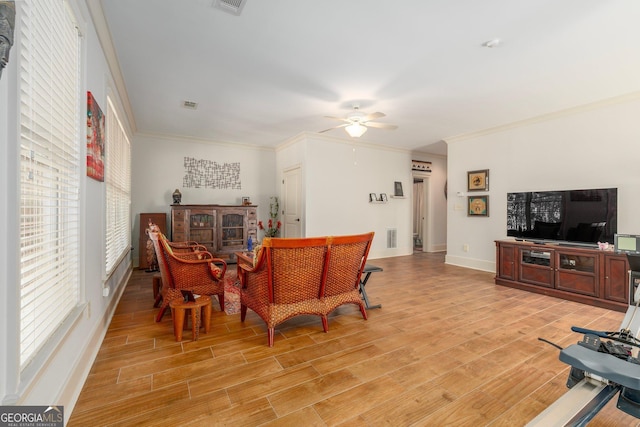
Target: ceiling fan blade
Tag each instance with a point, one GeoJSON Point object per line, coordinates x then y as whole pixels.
{"type": "Point", "coordinates": [380, 125]}
{"type": "Point", "coordinates": [342, 119]}
{"type": "Point", "coordinates": [335, 127]}
{"type": "Point", "coordinates": [373, 116]}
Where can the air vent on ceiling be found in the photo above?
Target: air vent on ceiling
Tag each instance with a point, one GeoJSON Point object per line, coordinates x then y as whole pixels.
{"type": "Point", "coordinates": [231, 6]}
{"type": "Point", "coordinates": [190, 105]}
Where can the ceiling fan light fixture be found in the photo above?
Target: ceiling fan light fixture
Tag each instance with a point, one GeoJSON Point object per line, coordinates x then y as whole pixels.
{"type": "Point", "coordinates": [355, 130]}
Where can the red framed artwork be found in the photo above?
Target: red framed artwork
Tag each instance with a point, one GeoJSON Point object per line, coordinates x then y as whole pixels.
{"type": "Point", "coordinates": [95, 139]}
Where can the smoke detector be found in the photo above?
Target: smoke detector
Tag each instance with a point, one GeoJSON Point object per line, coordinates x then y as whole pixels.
{"type": "Point", "coordinates": [233, 7]}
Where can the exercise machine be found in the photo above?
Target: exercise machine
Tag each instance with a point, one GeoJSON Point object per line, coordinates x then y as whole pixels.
{"type": "Point", "coordinates": [604, 364]}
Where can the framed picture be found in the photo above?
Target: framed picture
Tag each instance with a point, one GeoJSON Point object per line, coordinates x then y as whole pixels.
{"type": "Point", "coordinates": [95, 139]}
{"type": "Point", "coordinates": [477, 205]}
{"type": "Point", "coordinates": [478, 180]}
{"type": "Point", "coordinates": [397, 189]}
{"type": "Point", "coordinates": [383, 197]}
{"type": "Point", "coordinates": [373, 197]}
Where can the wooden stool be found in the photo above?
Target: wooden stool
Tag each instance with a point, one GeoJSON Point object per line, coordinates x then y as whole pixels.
{"type": "Point", "coordinates": [200, 308]}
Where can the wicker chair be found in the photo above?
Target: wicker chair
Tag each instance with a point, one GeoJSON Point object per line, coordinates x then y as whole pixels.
{"type": "Point", "coordinates": [177, 248]}
{"type": "Point", "coordinates": [292, 277]}
{"type": "Point", "coordinates": [195, 271]}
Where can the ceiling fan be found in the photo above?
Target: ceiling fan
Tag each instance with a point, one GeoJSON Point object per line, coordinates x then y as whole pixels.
{"type": "Point", "coordinates": [357, 122]}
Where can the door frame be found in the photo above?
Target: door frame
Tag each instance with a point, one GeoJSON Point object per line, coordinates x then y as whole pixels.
{"type": "Point", "coordinates": [426, 208]}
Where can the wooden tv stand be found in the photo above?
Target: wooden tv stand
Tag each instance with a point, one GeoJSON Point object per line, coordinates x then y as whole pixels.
{"type": "Point", "coordinates": [585, 275]}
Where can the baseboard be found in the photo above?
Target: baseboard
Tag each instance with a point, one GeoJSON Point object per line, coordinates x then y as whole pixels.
{"type": "Point", "coordinates": [476, 264]}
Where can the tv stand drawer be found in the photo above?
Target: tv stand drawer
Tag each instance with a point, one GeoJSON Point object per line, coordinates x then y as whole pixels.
{"type": "Point", "coordinates": [536, 275]}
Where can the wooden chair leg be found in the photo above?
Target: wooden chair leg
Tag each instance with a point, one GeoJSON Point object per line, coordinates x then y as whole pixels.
{"type": "Point", "coordinates": [221, 301]}
{"type": "Point", "coordinates": [157, 285]}
{"type": "Point", "coordinates": [178, 322]}
{"type": "Point", "coordinates": [157, 301]}
{"type": "Point", "coordinates": [325, 324]}
{"type": "Point", "coordinates": [363, 311]}
{"type": "Point", "coordinates": [206, 318]}
{"type": "Point", "coordinates": [270, 334]}
{"type": "Point", "coordinates": [161, 313]}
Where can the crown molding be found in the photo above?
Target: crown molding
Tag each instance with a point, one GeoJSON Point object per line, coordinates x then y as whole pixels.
{"type": "Point", "coordinates": [196, 140]}
{"type": "Point", "coordinates": [104, 36]}
{"type": "Point", "coordinates": [546, 117]}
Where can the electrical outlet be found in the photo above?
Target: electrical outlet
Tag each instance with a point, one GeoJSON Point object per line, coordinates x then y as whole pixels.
{"type": "Point", "coordinates": [105, 291]}
{"type": "Point", "coordinates": [465, 247]}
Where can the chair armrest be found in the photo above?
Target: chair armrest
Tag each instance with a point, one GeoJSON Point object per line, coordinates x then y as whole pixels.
{"type": "Point", "coordinates": [185, 247]}
{"type": "Point", "coordinates": [194, 256]}
{"type": "Point", "coordinates": [202, 258]}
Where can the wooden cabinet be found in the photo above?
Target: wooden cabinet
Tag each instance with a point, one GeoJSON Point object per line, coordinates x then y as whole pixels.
{"type": "Point", "coordinates": [536, 266]}
{"type": "Point", "coordinates": [224, 230]}
{"type": "Point", "coordinates": [579, 274]}
{"type": "Point", "coordinates": [616, 278]}
{"type": "Point", "coordinates": [146, 253]}
{"type": "Point", "coordinates": [506, 261]}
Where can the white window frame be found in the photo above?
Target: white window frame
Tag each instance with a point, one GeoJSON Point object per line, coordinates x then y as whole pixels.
{"type": "Point", "coordinates": [118, 190]}
{"type": "Point", "coordinates": [50, 172]}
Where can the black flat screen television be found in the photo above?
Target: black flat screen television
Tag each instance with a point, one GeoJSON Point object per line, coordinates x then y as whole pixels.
{"type": "Point", "coordinates": [583, 217]}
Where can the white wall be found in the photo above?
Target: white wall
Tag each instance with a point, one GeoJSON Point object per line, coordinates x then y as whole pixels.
{"type": "Point", "coordinates": [158, 169]}
{"type": "Point", "coordinates": [593, 147]}
{"type": "Point", "coordinates": [339, 174]}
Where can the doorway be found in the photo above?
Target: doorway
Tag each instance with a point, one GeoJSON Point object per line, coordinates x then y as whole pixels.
{"type": "Point", "coordinates": [292, 202]}
{"type": "Point", "coordinates": [420, 212]}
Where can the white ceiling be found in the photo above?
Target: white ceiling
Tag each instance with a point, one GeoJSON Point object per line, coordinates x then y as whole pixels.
{"type": "Point", "coordinates": [282, 65]}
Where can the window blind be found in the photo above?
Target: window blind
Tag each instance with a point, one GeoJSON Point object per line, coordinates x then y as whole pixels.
{"type": "Point", "coordinates": [118, 190]}
{"type": "Point", "coordinates": [49, 170]}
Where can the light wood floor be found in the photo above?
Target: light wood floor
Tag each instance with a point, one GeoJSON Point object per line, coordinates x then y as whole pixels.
{"type": "Point", "coordinates": [448, 347]}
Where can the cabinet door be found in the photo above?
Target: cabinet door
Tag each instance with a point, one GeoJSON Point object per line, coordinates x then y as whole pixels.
{"type": "Point", "coordinates": [202, 228]}
{"type": "Point", "coordinates": [536, 267]}
{"type": "Point", "coordinates": [616, 278]}
{"type": "Point", "coordinates": [179, 225]}
{"type": "Point", "coordinates": [233, 226]}
{"type": "Point", "coordinates": [506, 262]}
{"type": "Point", "coordinates": [577, 272]}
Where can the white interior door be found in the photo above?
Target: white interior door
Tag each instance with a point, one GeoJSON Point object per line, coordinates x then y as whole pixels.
{"type": "Point", "coordinates": [292, 203]}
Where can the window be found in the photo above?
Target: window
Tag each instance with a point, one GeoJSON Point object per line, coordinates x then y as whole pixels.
{"type": "Point", "coordinates": [118, 183]}
{"type": "Point", "coordinates": [49, 171]}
